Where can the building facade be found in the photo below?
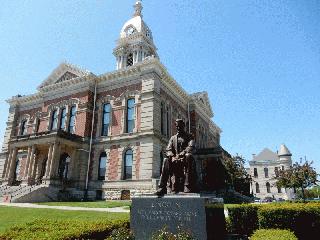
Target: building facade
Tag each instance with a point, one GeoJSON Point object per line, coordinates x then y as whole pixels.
{"type": "Point", "coordinates": [104, 135]}
{"type": "Point", "coordinates": [264, 167]}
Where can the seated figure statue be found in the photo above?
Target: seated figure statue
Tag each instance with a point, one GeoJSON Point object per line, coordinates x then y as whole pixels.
{"type": "Point", "coordinates": [179, 168]}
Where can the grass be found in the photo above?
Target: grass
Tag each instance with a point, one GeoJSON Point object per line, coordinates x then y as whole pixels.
{"type": "Point", "coordinates": [10, 216]}
{"type": "Point", "coordinates": [96, 204]}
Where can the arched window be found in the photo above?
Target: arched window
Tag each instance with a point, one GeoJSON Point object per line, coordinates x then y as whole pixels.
{"type": "Point", "coordinates": [105, 119]}
{"type": "Point", "coordinates": [266, 173]}
{"type": "Point", "coordinates": [102, 166]}
{"type": "Point", "coordinates": [279, 190]}
{"type": "Point", "coordinates": [130, 115]}
{"type": "Point", "coordinates": [72, 119]}
{"type": "Point", "coordinates": [255, 172]}
{"type": "Point", "coordinates": [54, 120]}
{"type": "Point", "coordinates": [257, 188]}
{"type": "Point", "coordinates": [37, 125]}
{"type": "Point", "coordinates": [23, 129]}
{"type": "Point", "coordinates": [64, 166]}
{"type": "Point", "coordinates": [276, 171]}
{"type": "Point", "coordinates": [63, 118]}
{"type": "Point", "coordinates": [17, 169]}
{"type": "Point", "coordinates": [130, 60]}
{"type": "Point", "coordinates": [128, 159]}
{"type": "Point", "coordinates": [268, 187]}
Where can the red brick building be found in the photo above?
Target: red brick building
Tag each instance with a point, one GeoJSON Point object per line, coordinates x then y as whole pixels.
{"type": "Point", "coordinates": [102, 133]}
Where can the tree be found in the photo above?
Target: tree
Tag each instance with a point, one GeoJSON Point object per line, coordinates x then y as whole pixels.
{"type": "Point", "coordinates": [237, 176]}
{"type": "Point", "coordinates": [298, 176]}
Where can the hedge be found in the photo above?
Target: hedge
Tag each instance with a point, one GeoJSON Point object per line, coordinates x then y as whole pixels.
{"type": "Point", "coordinates": [243, 219]}
{"type": "Point", "coordinates": [273, 234]}
{"type": "Point", "coordinates": [301, 218]}
{"type": "Point", "coordinates": [62, 230]}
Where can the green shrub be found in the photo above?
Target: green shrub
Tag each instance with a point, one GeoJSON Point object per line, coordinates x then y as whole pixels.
{"type": "Point", "coordinates": [164, 234]}
{"type": "Point", "coordinates": [301, 218]}
{"type": "Point", "coordinates": [273, 234]}
{"type": "Point", "coordinates": [62, 230]}
{"type": "Point", "coordinates": [243, 218]}
{"type": "Point", "coordinates": [121, 234]}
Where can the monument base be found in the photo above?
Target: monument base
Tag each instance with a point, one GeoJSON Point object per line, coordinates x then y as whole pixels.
{"type": "Point", "coordinates": [201, 215]}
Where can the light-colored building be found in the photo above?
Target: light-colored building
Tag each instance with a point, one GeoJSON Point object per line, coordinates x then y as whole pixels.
{"type": "Point", "coordinates": [122, 118]}
{"type": "Point", "coordinates": [264, 167]}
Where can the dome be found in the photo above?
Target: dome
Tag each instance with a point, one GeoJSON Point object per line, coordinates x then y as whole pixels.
{"type": "Point", "coordinates": [135, 25]}
{"type": "Point", "coordinates": [284, 151]}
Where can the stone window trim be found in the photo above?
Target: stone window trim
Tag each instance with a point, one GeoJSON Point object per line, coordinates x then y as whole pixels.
{"type": "Point", "coordinates": [257, 188]}
{"type": "Point", "coordinates": [268, 186]}
{"type": "Point", "coordinates": [137, 102]}
{"type": "Point", "coordinates": [100, 103]}
{"type": "Point", "coordinates": [122, 152]}
{"type": "Point", "coordinates": [36, 122]}
{"type": "Point", "coordinates": [266, 172]}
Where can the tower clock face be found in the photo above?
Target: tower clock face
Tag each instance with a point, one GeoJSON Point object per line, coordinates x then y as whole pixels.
{"type": "Point", "coordinates": [130, 31]}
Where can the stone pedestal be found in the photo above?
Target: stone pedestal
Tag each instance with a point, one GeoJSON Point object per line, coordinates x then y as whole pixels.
{"type": "Point", "coordinates": [202, 215]}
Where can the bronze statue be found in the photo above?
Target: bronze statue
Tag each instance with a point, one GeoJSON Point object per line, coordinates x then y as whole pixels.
{"type": "Point", "coordinates": [179, 169]}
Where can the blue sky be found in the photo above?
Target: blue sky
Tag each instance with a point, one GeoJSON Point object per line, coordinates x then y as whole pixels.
{"type": "Point", "coordinates": [258, 60]}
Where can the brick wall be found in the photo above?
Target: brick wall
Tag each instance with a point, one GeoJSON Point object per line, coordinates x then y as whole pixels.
{"type": "Point", "coordinates": [113, 163]}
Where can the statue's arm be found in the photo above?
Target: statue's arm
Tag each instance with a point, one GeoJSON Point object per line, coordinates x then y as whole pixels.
{"type": "Point", "coordinates": [169, 150]}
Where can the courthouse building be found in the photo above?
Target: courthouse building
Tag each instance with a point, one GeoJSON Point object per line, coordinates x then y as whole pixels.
{"type": "Point", "coordinates": [264, 167]}
{"type": "Point", "coordinates": [102, 133]}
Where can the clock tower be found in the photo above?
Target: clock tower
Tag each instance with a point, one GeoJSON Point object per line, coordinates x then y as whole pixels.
{"type": "Point", "coordinates": [136, 42]}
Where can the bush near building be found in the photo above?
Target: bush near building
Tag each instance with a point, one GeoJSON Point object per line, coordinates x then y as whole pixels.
{"type": "Point", "coordinates": [301, 218]}
{"type": "Point", "coordinates": [273, 234]}
{"type": "Point", "coordinates": [63, 229]}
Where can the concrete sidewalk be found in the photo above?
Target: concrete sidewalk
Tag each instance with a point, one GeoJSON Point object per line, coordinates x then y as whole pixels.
{"type": "Point", "coordinates": [31, 205]}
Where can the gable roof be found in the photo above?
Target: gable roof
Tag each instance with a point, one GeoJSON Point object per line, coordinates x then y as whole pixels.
{"type": "Point", "coordinates": [64, 72]}
{"type": "Point", "coordinates": [203, 100]}
{"type": "Point", "coordinates": [266, 154]}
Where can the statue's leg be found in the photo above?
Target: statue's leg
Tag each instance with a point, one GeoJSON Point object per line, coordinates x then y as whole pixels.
{"type": "Point", "coordinates": [190, 174]}
{"type": "Point", "coordinates": [164, 177]}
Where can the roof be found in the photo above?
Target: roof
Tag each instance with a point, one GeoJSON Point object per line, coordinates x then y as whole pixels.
{"type": "Point", "coordinates": [265, 155]}
{"type": "Point", "coordinates": [284, 151]}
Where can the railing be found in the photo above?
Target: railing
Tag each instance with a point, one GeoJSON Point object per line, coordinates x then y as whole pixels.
{"type": "Point", "coordinates": [60, 133]}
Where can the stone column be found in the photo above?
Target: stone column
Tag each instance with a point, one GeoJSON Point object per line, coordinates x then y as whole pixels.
{"type": "Point", "coordinates": [46, 175]}
{"type": "Point", "coordinates": [6, 173]}
{"type": "Point", "coordinates": [52, 169]}
{"type": "Point", "coordinates": [25, 174]}
{"type": "Point", "coordinates": [13, 163]}
{"type": "Point", "coordinates": [32, 164]}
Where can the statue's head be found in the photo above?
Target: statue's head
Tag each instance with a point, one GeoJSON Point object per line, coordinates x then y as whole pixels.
{"type": "Point", "coordinates": [180, 125]}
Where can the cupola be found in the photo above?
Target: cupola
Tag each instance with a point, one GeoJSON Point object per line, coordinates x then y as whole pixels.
{"type": "Point", "coordinates": [136, 42]}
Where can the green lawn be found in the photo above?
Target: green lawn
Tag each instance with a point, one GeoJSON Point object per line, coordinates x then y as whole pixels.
{"type": "Point", "coordinates": [96, 204]}
{"type": "Point", "coordinates": [10, 216]}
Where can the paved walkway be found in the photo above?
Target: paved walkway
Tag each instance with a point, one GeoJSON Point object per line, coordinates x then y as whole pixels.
{"type": "Point", "coordinates": [30, 205]}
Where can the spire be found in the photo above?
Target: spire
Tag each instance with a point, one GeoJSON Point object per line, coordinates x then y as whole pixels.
{"type": "Point", "coordinates": [138, 9]}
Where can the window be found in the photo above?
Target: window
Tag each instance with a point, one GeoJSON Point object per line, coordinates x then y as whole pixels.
{"type": "Point", "coordinates": [276, 171]}
{"type": "Point", "coordinates": [255, 172]}
{"type": "Point", "coordinates": [72, 119]}
{"type": "Point", "coordinates": [257, 188]}
{"type": "Point", "coordinates": [268, 187]}
{"type": "Point", "coordinates": [23, 129]}
{"type": "Point", "coordinates": [162, 118]}
{"type": "Point", "coordinates": [64, 162]}
{"type": "Point", "coordinates": [37, 125]}
{"type": "Point", "coordinates": [130, 60]}
{"type": "Point", "coordinates": [105, 119]}
{"type": "Point", "coordinates": [102, 166]}
{"type": "Point", "coordinates": [282, 168]}
{"type": "Point", "coordinates": [130, 115]}
{"type": "Point", "coordinates": [266, 173]}
{"type": "Point", "coordinates": [63, 118]}
{"type": "Point", "coordinates": [128, 159]}
{"type": "Point", "coordinates": [54, 120]}
{"type": "Point", "coordinates": [17, 169]}
{"type": "Point", "coordinates": [279, 189]}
